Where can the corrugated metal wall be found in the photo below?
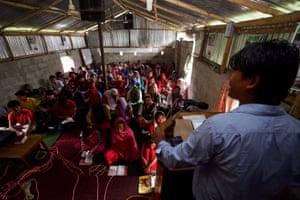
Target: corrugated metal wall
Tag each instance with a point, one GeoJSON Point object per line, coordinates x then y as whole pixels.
{"type": "Point", "coordinates": [26, 45]}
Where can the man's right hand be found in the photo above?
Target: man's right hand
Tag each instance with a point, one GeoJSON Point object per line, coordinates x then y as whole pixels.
{"type": "Point", "coordinates": [158, 135]}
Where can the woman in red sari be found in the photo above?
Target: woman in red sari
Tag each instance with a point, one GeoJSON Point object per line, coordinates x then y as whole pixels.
{"type": "Point", "coordinates": [123, 144]}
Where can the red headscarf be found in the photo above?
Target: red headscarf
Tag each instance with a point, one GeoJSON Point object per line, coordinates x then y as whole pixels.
{"type": "Point", "coordinates": [123, 142]}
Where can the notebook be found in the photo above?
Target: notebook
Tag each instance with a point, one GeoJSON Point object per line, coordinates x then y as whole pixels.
{"type": "Point", "coordinates": [117, 170]}
{"type": "Point", "coordinates": [197, 120]}
{"type": "Point", "coordinates": [145, 186]}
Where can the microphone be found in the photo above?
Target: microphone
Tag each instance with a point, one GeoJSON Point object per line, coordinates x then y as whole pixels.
{"type": "Point", "coordinates": [191, 102]}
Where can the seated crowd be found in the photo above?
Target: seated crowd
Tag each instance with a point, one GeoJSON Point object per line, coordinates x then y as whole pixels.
{"type": "Point", "coordinates": [137, 98]}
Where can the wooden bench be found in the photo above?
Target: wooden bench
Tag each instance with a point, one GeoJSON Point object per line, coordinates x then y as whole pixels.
{"type": "Point", "coordinates": [22, 151]}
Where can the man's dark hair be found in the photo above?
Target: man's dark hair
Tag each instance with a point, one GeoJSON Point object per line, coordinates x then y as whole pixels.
{"type": "Point", "coordinates": [52, 76]}
{"type": "Point", "coordinates": [71, 73]}
{"type": "Point", "coordinates": [57, 74]}
{"type": "Point", "coordinates": [87, 131]}
{"type": "Point", "coordinates": [13, 104]}
{"type": "Point", "coordinates": [50, 92]}
{"type": "Point", "coordinates": [147, 96]}
{"type": "Point", "coordinates": [98, 112]}
{"type": "Point", "coordinates": [275, 62]}
{"type": "Point", "coordinates": [62, 100]}
{"type": "Point", "coordinates": [21, 93]}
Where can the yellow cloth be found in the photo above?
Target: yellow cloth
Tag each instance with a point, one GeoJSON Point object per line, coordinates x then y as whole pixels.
{"type": "Point", "coordinates": [30, 103]}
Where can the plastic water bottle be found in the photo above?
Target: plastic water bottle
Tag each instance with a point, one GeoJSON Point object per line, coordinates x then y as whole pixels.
{"type": "Point", "coordinates": [153, 178]}
{"type": "Point", "coordinates": [82, 156]}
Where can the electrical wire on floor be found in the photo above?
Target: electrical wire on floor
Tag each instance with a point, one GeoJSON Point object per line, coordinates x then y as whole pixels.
{"type": "Point", "coordinates": [106, 187]}
{"type": "Point", "coordinates": [54, 153]}
{"type": "Point", "coordinates": [75, 186]}
{"type": "Point", "coordinates": [97, 195]}
{"type": "Point", "coordinates": [132, 196]}
{"type": "Point", "coordinates": [99, 169]}
{"type": "Point", "coordinates": [6, 168]}
{"type": "Point", "coordinates": [138, 196]}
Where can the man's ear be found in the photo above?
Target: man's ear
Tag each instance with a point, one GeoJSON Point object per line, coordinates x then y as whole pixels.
{"type": "Point", "coordinates": [252, 82]}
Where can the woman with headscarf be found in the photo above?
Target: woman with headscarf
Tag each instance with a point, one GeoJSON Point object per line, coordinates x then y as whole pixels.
{"type": "Point", "coordinates": [124, 110]}
{"type": "Point", "coordinates": [123, 144]}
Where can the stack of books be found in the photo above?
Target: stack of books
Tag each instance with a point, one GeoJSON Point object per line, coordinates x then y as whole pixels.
{"type": "Point", "coordinates": [145, 184]}
{"type": "Point", "coordinates": [117, 170]}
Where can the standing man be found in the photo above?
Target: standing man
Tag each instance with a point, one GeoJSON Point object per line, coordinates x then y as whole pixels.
{"type": "Point", "coordinates": [252, 152]}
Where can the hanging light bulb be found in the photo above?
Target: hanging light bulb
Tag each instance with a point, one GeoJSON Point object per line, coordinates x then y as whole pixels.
{"type": "Point", "coordinates": [149, 5]}
{"type": "Point", "coordinates": [71, 5]}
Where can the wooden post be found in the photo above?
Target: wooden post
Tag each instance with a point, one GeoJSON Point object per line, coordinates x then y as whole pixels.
{"type": "Point", "coordinates": [226, 53]}
{"type": "Point", "coordinates": [178, 56]}
{"type": "Point", "coordinates": [102, 54]}
{"type": "Point", "coordinates": [203, 45]}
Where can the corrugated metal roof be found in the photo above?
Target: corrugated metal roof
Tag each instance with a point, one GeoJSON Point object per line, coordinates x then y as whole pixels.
{"type": "Point", "coordinates": [57, 16]}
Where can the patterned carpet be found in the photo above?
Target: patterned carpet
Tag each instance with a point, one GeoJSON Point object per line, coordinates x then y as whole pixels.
{"type": "Point", "coordinates": [57, 175]}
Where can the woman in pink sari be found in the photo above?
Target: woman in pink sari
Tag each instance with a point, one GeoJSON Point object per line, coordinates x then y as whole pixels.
{"type": "Point", "coordinates": [123, 144]}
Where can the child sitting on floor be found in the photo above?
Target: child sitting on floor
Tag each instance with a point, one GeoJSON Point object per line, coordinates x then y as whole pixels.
{"type": "Point", "coordinates": [148, 156]}
{"type": "Point", "coordinates": [91, 140]}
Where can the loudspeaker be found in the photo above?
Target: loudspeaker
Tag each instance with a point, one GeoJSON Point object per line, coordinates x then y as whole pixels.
{"type": "Point", "coordinates": [92, 10]}
{"type": "Point", "coordinates": [128, 21]}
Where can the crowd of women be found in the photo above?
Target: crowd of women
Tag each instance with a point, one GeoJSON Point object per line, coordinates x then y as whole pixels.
{"type": "Point", "coordinates": [111, 110]}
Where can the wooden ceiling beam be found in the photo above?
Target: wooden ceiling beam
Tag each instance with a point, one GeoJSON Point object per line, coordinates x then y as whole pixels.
{"type": "Point", "coordinates": [83, 28]}
{"type": "Point", "coordinates": [197, 10]}
{"type": "Point", "coordinates": [14, 23]}
{"type": "Point", "coordinates": [145, 15]}
{"type": "Point", "coordinates": [19, 5]}
{"type": "Point", "coordinates": [111, 13]}
{"type": "Point", "coordinates": [179, 14]}
{"type": "Point", "coordinates": [276, 20]}
{"type": "Point", "coordinates": [169, 19]}
{"type": "Point", "coordinates": [279, 19]}
{"type": "Point", "coordinates": [183, 15]}
{"type": "Point", "coordinates": [157, 14]}
{"type": "Point", "coordinates": [275, 29]}
{"type": "Point", "coordinates": [37, 8]}
{"type": "Point", "coordinates": [258, 7]}
{"type": "Point", "coordinates": [36, 12]}
{"type": "Point", "coordinates": [155, 9]}
{"type": "Point", "coordinates": [124, 7]}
